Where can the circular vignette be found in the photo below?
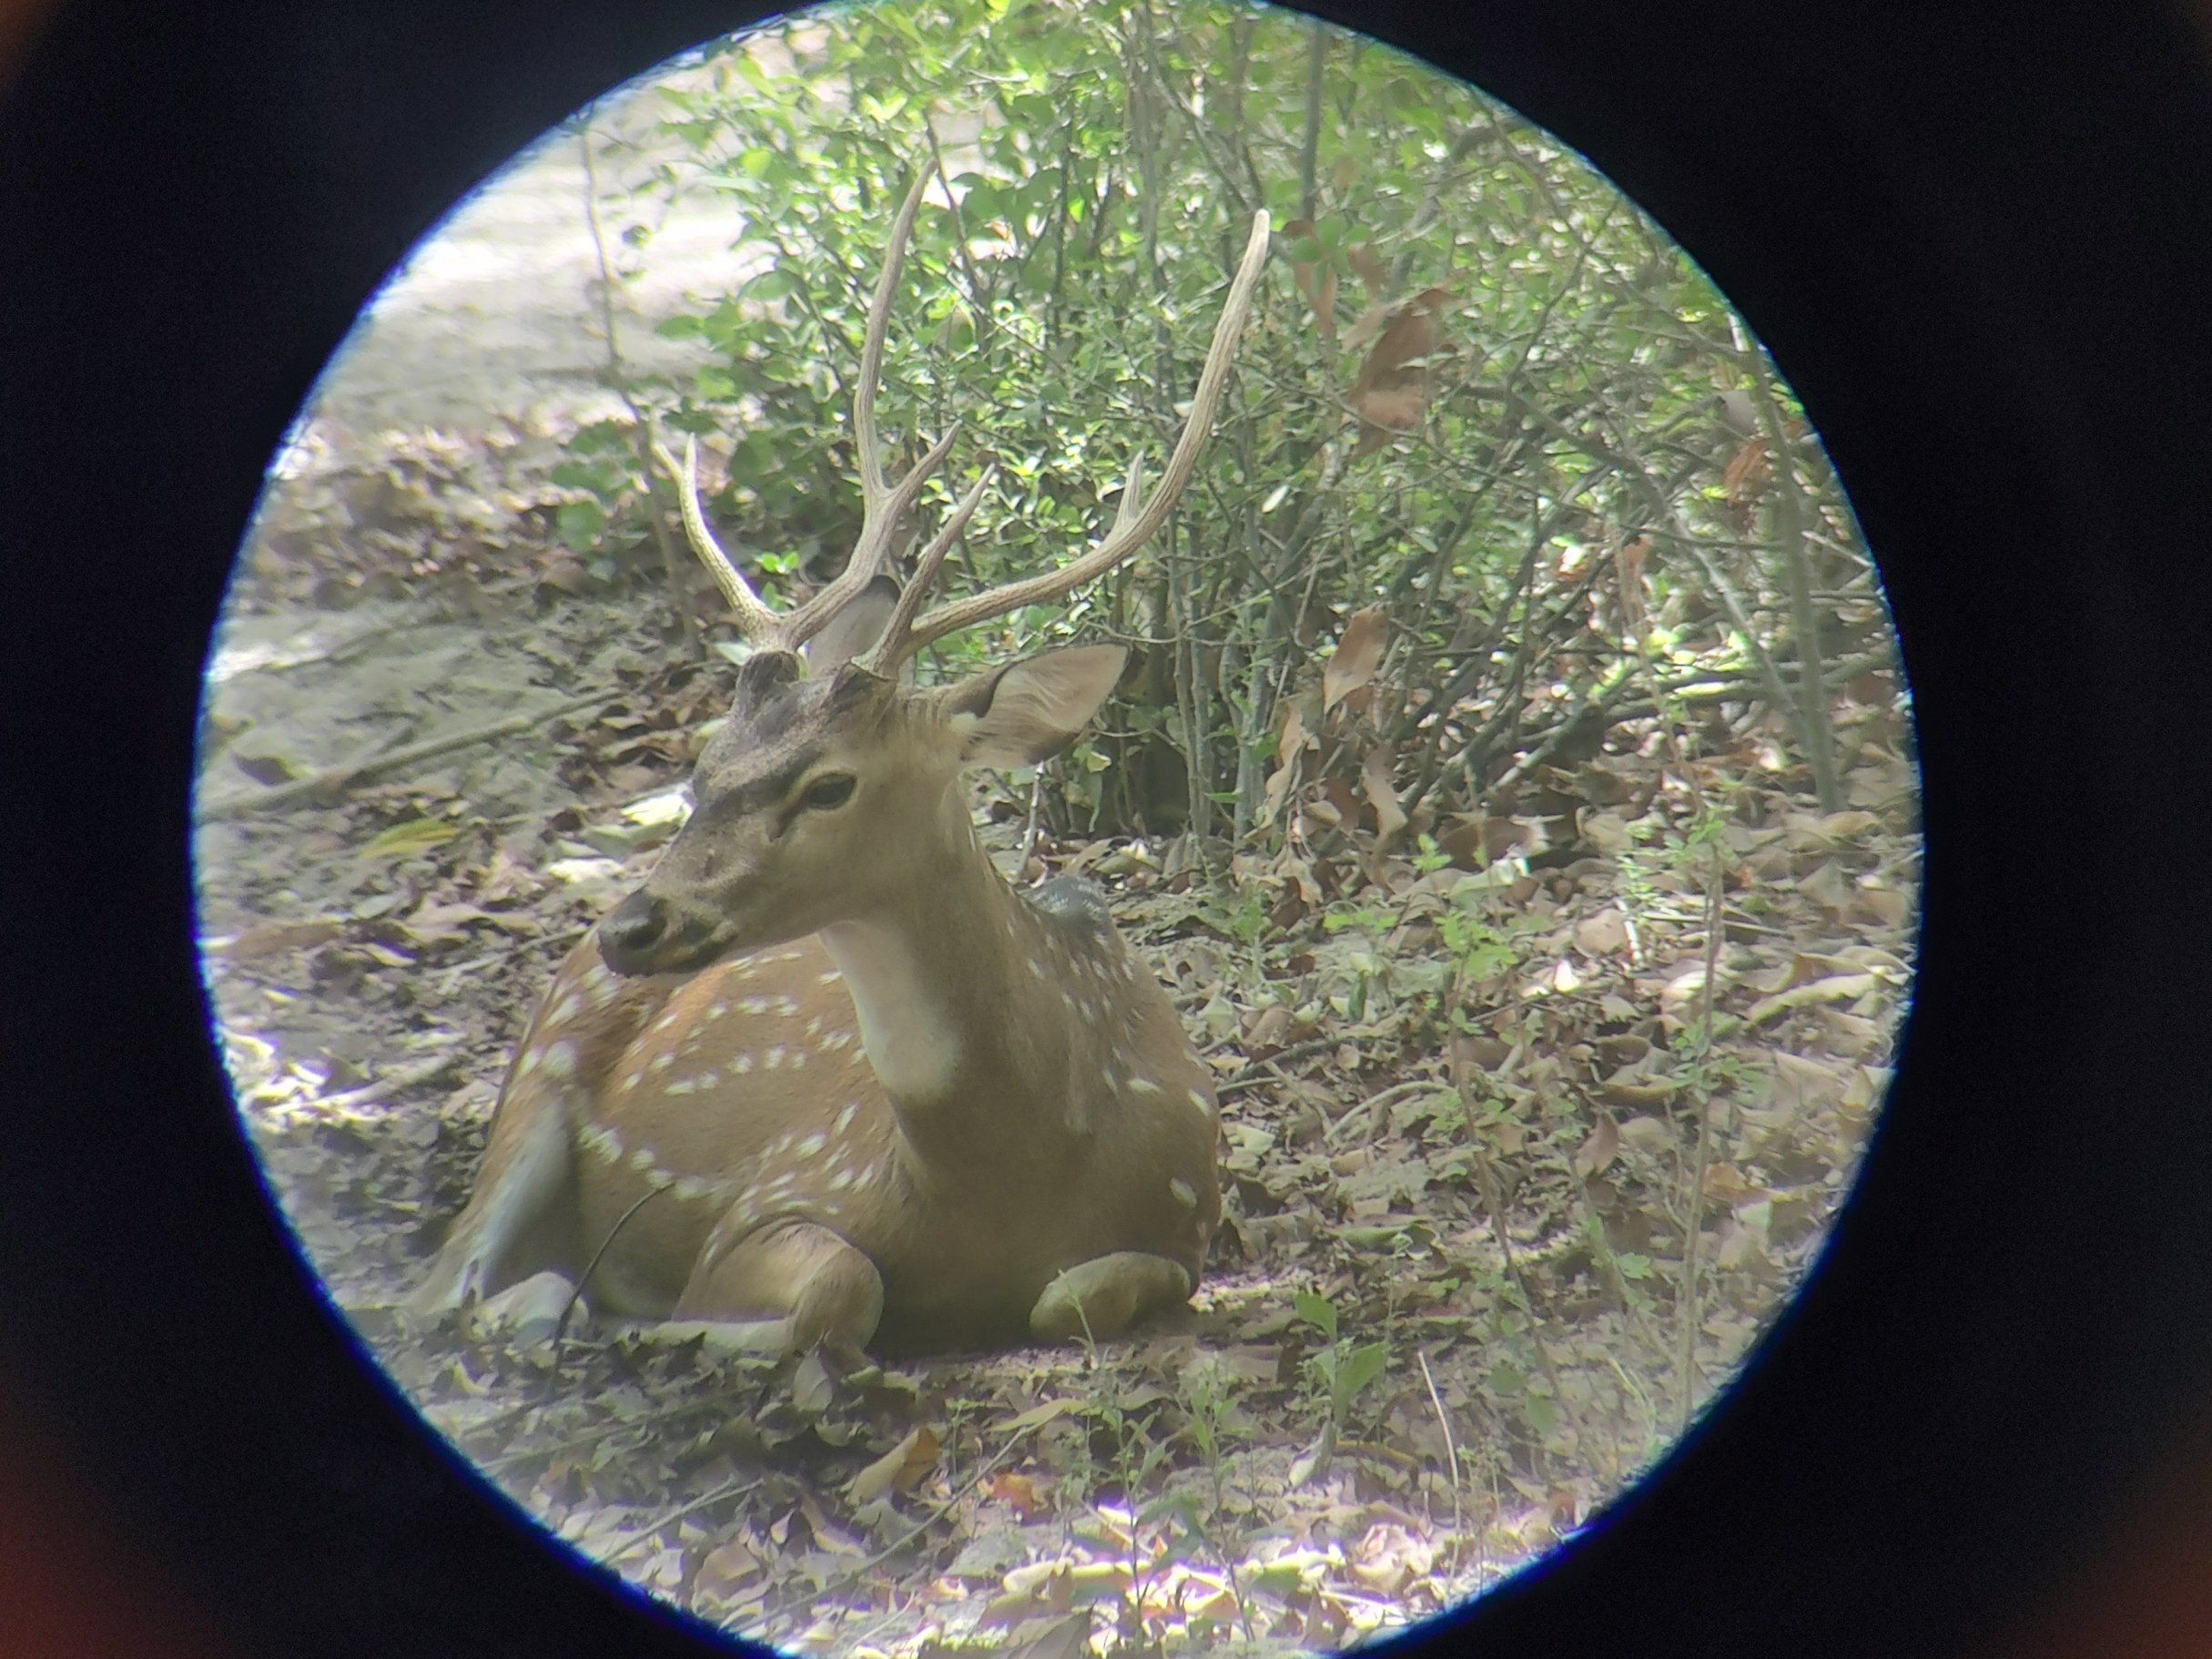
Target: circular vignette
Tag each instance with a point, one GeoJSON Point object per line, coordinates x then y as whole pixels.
{"type": "Point", "coordinates": [1550, 289]}
{"type": "Point", "coordinates": [1999, 1332]}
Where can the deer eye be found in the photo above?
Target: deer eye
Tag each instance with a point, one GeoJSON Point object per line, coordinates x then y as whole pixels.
{"type": "Point", "coordinates": [825, 793]}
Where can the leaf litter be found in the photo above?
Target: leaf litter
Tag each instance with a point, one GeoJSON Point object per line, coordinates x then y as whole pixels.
{"type": "Point", "coordinates": [1463, 1067]}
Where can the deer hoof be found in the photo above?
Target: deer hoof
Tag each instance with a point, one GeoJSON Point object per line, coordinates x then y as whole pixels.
{"type": "Point", "coordinates": [531, 1310]}
{"type": "Point", "coordinates": [1103, 1297]}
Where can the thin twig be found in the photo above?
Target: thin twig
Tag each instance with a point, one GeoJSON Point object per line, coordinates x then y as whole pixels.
{"type": "Point", "coordinates": [583, 1278]}
{"type": "Point", "coordinates": [1029, 833]}
{"type": "Point", "coordinates": [681, 1512]}
{"type": "Point", "coordinates": [337, 780]}
{"type": "Point", "coordinates": [1633, 618]}
{"type": "Point", "coordinates": [404, 1077]}
{"type": "Point", "coordinates": [618, 382]}
{"type": "Point", "coordinates": [935, 1513]}
{"type": "Point", "coordinates": [1451, 1445]}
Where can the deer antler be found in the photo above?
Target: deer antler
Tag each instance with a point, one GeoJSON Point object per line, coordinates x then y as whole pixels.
{"type": "Point", "coordinates": [883, 504]}
{"type": "Point", "coordinates": [1137, 521]}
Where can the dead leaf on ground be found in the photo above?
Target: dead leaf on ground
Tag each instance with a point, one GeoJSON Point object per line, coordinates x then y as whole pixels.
{"type": "Point", "coordinates": [1019, 1492]}
{"type": "Point", "coordinates": [408, 838]}
{"type": "Point", "coordinates": [725, 1568]}
{"type": "Point", "coordinates": [271, 937]}
{"type": "Point", "coordinates": [1598, 1151]}
{"type": "Point", "coordinates": [1602, 934]}
{"type": "Point", "coordinates": [901, 1468]}
{"type": "Point", "coordinates": [1065, 1639]}
{"type": "Point", "coordinates": [1836, 988]}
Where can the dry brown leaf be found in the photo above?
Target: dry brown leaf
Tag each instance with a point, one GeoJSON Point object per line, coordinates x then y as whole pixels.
{"type": "Point", "coordinates": [1743, 1240]}
{"type": "Point", "coordinates": [1800, 1081]}
{"type": "Point", "coordinates": [1836, 988]}
{"type": "Point", "coordinates": [1358, 654]}
{"type": "Point", "coordinates": [270, 937]}
{"type": "Point", "coordinates": [901, 1468]}
{"type": "Point", "coordinates": [1596, 1153]}
{"type": "Point", "coordinates": [725, 1568]}
{"type": "Point", "coordinates": [1019, 1492]}
{"type": "Point", "coordinates": [1370, 268]}
{"type": "Point", "coordinates": [1639, 1091]}
{"type": "Point", "coordinates": [1381, 794]}
{"type": "Point", "coordinates": [1746, 471]}
{"type": "Point", "coordinates": [1883, 906]}
{"type": "Point", "coordinates": [1267, 1031]}
{"type": "Point", "coordinates": [1392, 389]}
{"type": "Point", "coordinates": [1067, 1639]}
{"type": "Point", "coordinates": [1603, 933]}
{"type": "Point", "coordinates": [1389, 1558]}
{"type": "Point", "coordinates": [1343, 805]}
{"type": "Point", "coordinates": [1316, 281]}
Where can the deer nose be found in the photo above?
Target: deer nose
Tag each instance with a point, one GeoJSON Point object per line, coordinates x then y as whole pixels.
{"type": "Point", "coordinates": [631, 933]}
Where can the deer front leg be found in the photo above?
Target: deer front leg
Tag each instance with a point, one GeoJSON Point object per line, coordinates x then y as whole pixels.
{"type": "Point", "coordinates": [784, 1288]}
{"type": "Point", "coordinates": [1103, 1297]}
{"type": "Point", "coordinates": [514, 1224]}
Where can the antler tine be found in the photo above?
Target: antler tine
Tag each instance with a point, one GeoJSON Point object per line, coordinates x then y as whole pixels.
{"type": "Point", "coordinates": [1132, 495]}
{"type": "Point", "coordinates": [871, 552]}
{"type": "Point", "coordinates": [1132, 526]}
{"type": "Point", "coordinates": [883, 505]}
{"type": "Point", "coordinates": [873, 487]}
{"type": "Point", "coordinates": [889, 649]}
{"type": "Point", "coordinates": [755, 621]}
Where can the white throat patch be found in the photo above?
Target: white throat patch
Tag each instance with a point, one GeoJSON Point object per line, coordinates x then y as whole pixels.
{"type": "Point", "coordinates": [910, 1040]}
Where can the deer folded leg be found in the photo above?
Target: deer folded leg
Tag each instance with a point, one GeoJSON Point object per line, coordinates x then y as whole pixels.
{"type": "Point", "coordinates": [787, 1288]}
{"type": "Point", "coordinates": [1104, 1295]}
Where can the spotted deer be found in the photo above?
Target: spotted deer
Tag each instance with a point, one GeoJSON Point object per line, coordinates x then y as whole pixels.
{"type": "Point", "coordinates": [824, 1075]}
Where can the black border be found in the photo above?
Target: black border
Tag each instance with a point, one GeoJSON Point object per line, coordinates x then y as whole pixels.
{"type": "Point", "coordinates": [1980, 243]}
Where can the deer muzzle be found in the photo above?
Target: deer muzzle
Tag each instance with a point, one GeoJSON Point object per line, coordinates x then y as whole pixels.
{"type": "Point", "coordinates": [646, 934]}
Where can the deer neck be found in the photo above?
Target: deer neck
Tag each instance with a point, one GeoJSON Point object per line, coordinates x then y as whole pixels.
{"type": "Point", "coordinates": [953, 1018]}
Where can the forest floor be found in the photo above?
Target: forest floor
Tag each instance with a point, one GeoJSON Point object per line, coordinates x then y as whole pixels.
{"type": "Point", "coordinates": [1475, 1138]}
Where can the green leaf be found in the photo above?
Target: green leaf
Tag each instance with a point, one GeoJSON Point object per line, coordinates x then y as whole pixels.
{"type": "Point", "coordinates": [1317, 1311]}
{"type": "Point", "coordinates": [581, 522]}
{"type": "Point", "coordinates": [1360, 1366]}
{"type": "Point", "coordinates": [411, 838]}
{"type": "Point", "coordinates": [577, 475]}
{"type": "Point", "coordinates": [773, 283]}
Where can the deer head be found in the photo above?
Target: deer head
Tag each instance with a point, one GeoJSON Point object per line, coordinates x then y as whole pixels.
{"type": "Point", "coordinates": [831, 789]}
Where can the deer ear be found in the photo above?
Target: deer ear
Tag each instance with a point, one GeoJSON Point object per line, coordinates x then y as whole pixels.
{"type": "Point", "coordinates": [854, 629]}
{"type": "Point", "coordinates": [1030, 710]}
